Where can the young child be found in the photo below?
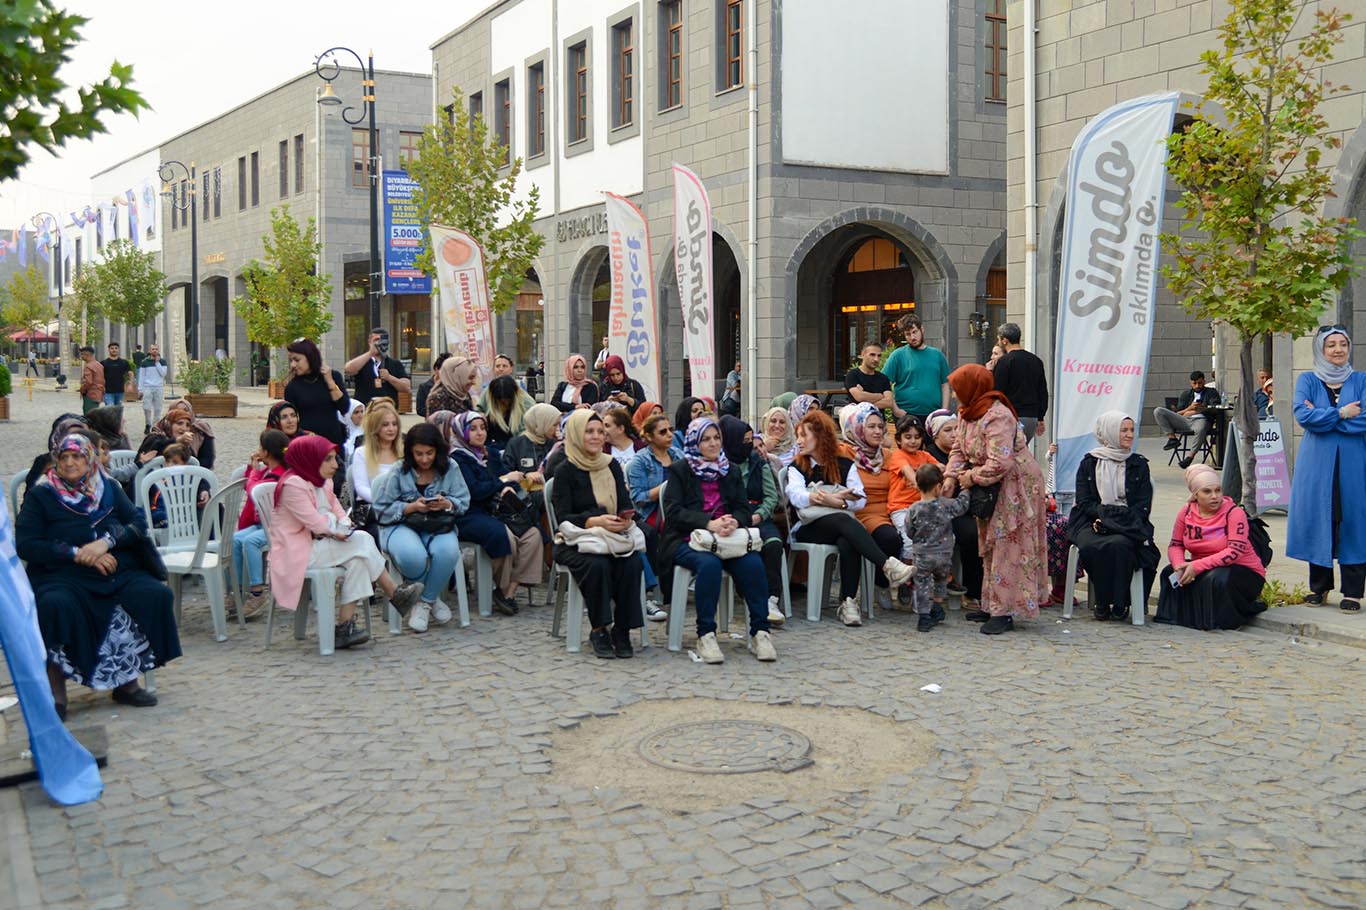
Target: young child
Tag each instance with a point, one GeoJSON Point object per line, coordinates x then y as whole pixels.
{"type": "Point", "coordinates": [249, 542]}
{"type": "Point", "coordinates": [929, 525]}
{"type": "Point", "coordinates": [177, 455]}
{"type": "Point", "coordinates": [902, 493]}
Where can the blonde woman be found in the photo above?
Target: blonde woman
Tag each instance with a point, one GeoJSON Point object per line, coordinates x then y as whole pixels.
{"type": "Point", "coordinates": [378, 450]}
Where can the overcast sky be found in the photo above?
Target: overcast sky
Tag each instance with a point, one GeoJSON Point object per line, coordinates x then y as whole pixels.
{"type": "Point", "coordinates": [193, 59]}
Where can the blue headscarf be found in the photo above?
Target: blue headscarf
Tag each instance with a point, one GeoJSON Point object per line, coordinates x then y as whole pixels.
{"type": "Point", "coordinates": [692, 441]}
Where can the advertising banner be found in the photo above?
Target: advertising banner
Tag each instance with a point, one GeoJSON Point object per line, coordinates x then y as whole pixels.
{"type": "Point", "coordinates": [1115, 182]}
{"type": "Point", "coordinates": [1273, 470]}
{"type": "Point", "coordinates": [632, 331]}
{"type": "Point", "coordinates": [402, 236]}
{"type": "Point", "coordinates": [692, 262]}
{"type": "Point", "coordinates": [464, 297]}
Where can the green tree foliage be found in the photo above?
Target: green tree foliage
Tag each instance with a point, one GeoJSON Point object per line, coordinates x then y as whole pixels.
{"type": "Point", "coordinates": [36, 39]}
{"type": "Point", "coordinates": [125, 287]}
{"type": "Point", "coordinates": [465, 184]}
{"type": "Point", "coordinates": [1255, 250]}
{"type": "Point", "coordinates": [24, 302]}
{"type": "Point", "coordinates": [286, 298]}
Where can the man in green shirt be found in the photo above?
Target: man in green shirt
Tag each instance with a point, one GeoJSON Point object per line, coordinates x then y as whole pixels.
{"type": "Point", "coordinates": [919, 373]}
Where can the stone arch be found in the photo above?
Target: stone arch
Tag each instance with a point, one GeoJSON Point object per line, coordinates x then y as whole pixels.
{"type": "Point", "coordinates": [1349, 201]}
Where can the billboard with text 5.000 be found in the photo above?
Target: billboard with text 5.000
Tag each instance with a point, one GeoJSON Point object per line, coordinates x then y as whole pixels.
{"type": "Point", "coordinates": [402, 238]}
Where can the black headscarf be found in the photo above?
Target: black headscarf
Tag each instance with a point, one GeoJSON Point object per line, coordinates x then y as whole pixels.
{"type": "Point", "coordinates": [733, 431]}
{"type": "Point", "coordinates": [683, 416]}
{"type": "Point", "coordinates": [105, 421]}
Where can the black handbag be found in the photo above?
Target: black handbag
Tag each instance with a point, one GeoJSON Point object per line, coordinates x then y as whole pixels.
{"type": "Point", "coordinates": [362, 514]}
{"type": "Point", "coordinates": [982, 500]}
{"type": "Point", "coordinates": [431, 522]}
{"type": "Point", "coordinates": [517, 512]}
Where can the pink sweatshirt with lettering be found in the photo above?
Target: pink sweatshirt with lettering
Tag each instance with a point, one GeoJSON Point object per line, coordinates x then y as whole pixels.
{"type": "Point", "coordinates": [1220, 540]}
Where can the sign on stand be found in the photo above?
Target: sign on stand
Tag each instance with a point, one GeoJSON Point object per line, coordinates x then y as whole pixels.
{"type": "Point", "coordinates": [1273, 471]}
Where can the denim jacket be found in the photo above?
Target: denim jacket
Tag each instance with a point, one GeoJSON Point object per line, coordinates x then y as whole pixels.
{"type": "Point", "coordinates": [643, 474]}
{"type": "Point", "coordinates": [395, 489]}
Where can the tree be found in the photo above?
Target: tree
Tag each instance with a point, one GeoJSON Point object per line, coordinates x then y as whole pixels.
{"type": "Point", "coordinates": [457, 172]}
{"type": "Point", "coordinates": [286, 298]}
{"type": "Point", "coordinates": [1254, 250]}
{"type": "Point", "coordinates": [26, 302]}
{"type": "Point", "coordinates": [36, 39]}
{"type": "Point", "coordinates": [87, 314]}
{"type": "Point", "coordinates": [126, 286]}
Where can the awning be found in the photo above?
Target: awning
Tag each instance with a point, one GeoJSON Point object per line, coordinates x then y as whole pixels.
{"type": "Point", "coordinates": [38, 336]}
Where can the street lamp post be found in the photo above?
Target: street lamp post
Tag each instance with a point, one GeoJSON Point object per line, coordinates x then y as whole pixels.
{"type": "Point", "coordinates": [38, 221]}
{"type": "Point", "coordinates": [167, 173]}
{"type": "Point", "coordinates": [328, 69]}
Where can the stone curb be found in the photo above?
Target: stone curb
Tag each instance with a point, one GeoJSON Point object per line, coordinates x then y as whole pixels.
{"type": "Point", "coordinates": [1281, 619]}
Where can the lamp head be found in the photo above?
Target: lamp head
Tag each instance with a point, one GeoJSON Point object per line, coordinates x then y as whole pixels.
{"type": "Point", "coordinates": [328, 97]}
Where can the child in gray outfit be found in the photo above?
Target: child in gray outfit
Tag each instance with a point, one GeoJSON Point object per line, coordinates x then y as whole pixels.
{"type": "Point", "coordinates": [929, 525]}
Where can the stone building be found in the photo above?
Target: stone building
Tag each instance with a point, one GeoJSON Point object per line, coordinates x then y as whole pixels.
{"type": "Point", "coordinates": [875, 169]}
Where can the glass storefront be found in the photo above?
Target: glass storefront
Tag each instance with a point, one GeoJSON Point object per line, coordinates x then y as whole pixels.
{"type": "Point", "coordinates": [413, 331]}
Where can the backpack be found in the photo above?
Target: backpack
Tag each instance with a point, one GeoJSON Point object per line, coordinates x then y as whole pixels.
{"type": "Point", "coordinates": [1260, 538]}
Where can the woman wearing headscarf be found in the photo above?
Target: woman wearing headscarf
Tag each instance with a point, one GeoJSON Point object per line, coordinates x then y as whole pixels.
{"type": "Point", "coordinates": [1215, 577]}
{"type": "Point", "coordinates": [527, 451]}
{"type": "Point", "coordinates": [783, 401]}
{"type": "Point", "coordinates": [1327, 521]}
{"type": "Point", "coordinates": [863, 428]}
{"type": "Point", "coordinates": [779, 441]}
{"type": "Point", "coordinates": [990, 450]}
{"type": "Point", "coordinates": [590, 492]}
{"type": "Point", "coordinates": [617, 386]}
{"type": "Point", "coordinates": [310, 530]}
{"type": "Point", "coordinates": [453, 385]}
{"type": "Point", "coordinates": [355, 429]}
{"type": "Point", "coordinates": [644, 411]}
{"type": "Point", "coordinates": [704, 492]}
{"type": "Point", "coordinates": [108, 422]}
{"type": "Point", "coordinates": [576, 390]}
{"type": "Point", "coordinates": [62, 426]}
{"type": "Point", "coordinates": [1109, 522]}
{"type": "Point", "coordinates": [516, 558]}
{"type": "Point", "coordinates": [105, 619]}
{"type": "Point", "coordinates": [800, 407]}
{"type": "Point", "coordinates": [688, 410]}
{"type": "Point", "coordinates": [181, 425]}
{"type": "Point", "coordinates": [505, 404]}
{"type": "Point", "coordinates": [761, 491]}
{"type": "Point", "coordinates": [283, 416]}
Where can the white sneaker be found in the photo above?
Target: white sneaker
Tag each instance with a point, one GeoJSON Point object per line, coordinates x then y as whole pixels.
{"type": "Point", "coordinates": [775, 612]}
{"type": "Point", "coordinates": [897, 572]}
{"type": "Point", "coordinates": [417, 619]}
{"type": "Point", "coordinates": [441, 613]}
{"type": "Point", "coordinates": [883, 598]}
{"type": "Point", "coordinates": [761, 646]}
{"type": "Point", "coordinates": [654, 612]}
{"type": "Point", "coordinates": [849, 612]}
{"type": "Point", "coordinates": [709, 650]}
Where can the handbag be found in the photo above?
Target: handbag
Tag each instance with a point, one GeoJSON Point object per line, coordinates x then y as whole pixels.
{"type": "Point", "coordinates": [431, 522]}
{"type": "Point", "coordinates": [740, 542]}
{"type": "Point", "coordinates": [600, 541]}
{"type": "Point", "coordinates": [362, 514]}
{"type": "Point", "coordinates": [982, 500]}
{"type": "Point", "coordinates": [811, 513]}
{"type": "Point", "coordinates": [517, 512]}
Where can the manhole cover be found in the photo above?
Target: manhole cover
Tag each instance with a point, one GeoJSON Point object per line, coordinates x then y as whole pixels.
{"type": "Point", "coordinates": [727, 747]}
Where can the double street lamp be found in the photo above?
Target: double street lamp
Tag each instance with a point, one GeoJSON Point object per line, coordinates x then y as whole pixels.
{"type": "Point", "coordinates": [186, 203]}
{"type": "Point", "coordinates": [328, 69]}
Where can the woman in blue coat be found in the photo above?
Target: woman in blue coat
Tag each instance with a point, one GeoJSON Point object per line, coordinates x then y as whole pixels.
{"type": "Point", "coordinates": [1327, 520]}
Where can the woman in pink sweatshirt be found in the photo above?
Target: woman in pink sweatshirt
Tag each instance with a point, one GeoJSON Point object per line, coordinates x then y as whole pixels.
{"type": "Point", "coordinates": [1215, 578]}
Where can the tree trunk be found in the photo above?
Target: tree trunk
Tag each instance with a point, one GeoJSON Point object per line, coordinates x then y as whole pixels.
{"type": "Point", "coordinates": [1245, 416]}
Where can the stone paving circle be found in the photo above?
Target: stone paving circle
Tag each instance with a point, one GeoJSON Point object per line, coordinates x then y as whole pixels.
{"type": "Point", "coordinates": [727, 747]}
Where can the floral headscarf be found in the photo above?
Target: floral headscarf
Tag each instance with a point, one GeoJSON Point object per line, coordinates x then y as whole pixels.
{"type": "Point", "coordinates": [84, 495]}
{"type": "Point", "coordinates": [460, 436]}
{"type": "Point", "coordinates": [442, 421]}
{"type": "Point", "coordinates": [62, 427]}
{"type": "Point", "coordinates": [800, 407]}
{"type": "Point", "coordinates": [853, 424]}
{"type": "Point", "coordinates": [199, 430]}
{"type": "Point", "coordinates": [692, 441]}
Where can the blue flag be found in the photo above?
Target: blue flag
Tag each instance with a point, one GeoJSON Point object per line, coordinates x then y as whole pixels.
{"type": "Point", "coordinates": [66, 770]}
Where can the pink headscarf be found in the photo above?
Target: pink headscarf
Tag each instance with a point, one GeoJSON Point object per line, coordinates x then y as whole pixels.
{"type": "Point", "coordinates": [576, 384]}
{"type": "Point", "coordinates": [1199, 476]}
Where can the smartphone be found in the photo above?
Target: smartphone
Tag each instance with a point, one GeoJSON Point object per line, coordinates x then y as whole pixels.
{"type": "Point", "coordinates": [628, 514]}
{"type": "Point", "coordinates": [1176, 580]}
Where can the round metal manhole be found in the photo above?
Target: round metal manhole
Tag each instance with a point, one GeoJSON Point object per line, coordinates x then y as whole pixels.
{"type": "Point", "coordinates": [727, 747]}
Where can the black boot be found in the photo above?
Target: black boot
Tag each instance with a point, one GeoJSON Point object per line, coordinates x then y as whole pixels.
{"type": "Point", "coordinates": [621, 643]}
{"type": "Point", "coordinates": [1101, 612]}
{"type": "Point", "coordinates": [346, 635]}
{"type": "Point", "coordinates": [998, 624]}
{"type": "Point", "coordinates": [937, 613]}
{"type": "Point", "coordinates": [601, 640]}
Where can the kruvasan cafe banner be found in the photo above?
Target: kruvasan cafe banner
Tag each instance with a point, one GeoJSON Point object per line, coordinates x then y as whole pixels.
{"type": "Point", "coordinates": [1115, 183]}
{"type": "Point", "coordinates": [464, 296]}
{"type": "Point", "coordinates": [631, 326]}
{"type": "Point", "coordinates": [692, 262]}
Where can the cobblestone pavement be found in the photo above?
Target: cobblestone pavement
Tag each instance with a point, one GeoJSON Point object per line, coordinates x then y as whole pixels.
{"type": "Point", "coordinates": [1073, 764]}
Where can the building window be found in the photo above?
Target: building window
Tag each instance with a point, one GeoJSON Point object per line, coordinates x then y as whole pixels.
{"type": "Point", "coordinates": [578, 92]}
{"type": "Point", "coordinates": [407, 148]}
{"type": "Point", "coordinates": [175, 214]}
{"type": "Point", "coordinates": [299, 163]}
{"type": "Point", "coordinates": [535, 90]}
{"type": "Point", "coordinates": [255, 179]}
{"type": "Point", "coordinates": [217, 192]}
{"type": "Point", "coordinates": [476, 107]}
{"type": "Point", "coordinates": [360, 156]}
{"type": "Point", "coordinates": [671, 54]}
{"type": "Point", "coordinates": [996, 50]}
{"type": "Point", "coordinates": [284, 168]}
{"type": "Point", "coordinates": [623, 76]}
{"type": "Point", "coordinates": [872, 291]}
{"type": "Point", "coordinates": [732, 45]}
{"type": "Point", "coordinates": [502, 117]}
{"type": "Point", "coordinates": [204, 197]}
{"type": "Point", "coordinates": [241, 183]}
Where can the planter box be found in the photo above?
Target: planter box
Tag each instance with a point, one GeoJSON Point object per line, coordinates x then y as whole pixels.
{"type": "Point", "coordinates": [4, 408]}
{"type": "Point", "coordinates": [275, 388]}
{"type": "Point", "coordinates": [212, 404]}
{"type": "Point", "coordinates": [405, 402]}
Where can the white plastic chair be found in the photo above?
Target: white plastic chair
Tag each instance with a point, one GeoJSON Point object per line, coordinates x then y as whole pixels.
{"type": "Point", "coordinates": [238, 472]}
{"type": "Point", "coordinates": [819, 576]}
{"type": "Point", "coordinates": [483, 575]}
{"type": "Point", "coordinates": [323, 582]}
{"type": "Point", "coordinates": [678, 605]}
{"type": "Point", "coordinates": [461, 595]}
{"type": "Point", "coordinates": [180, 495]}
{"type": "Point", "coordinates": [200, 560]}
{"type": "Point", "coordinates": [121, 458]}
{"type": "Point", "coordinates": [1138, 606]}
{"type": "Point", "coordinates": [573, 615]}
{"type": "Point", "coordinates": [16, 489]}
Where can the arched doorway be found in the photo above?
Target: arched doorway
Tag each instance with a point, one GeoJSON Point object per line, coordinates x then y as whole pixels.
{"type": "Point", "coordinates": [873, 288]}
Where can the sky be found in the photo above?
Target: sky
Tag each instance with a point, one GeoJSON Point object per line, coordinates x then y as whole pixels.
{"type": "Point", "coordinates": [193, 59]}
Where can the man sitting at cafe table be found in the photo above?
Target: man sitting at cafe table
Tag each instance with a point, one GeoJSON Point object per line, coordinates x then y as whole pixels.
{"type": "Point", "coordinates": [1191, 416]}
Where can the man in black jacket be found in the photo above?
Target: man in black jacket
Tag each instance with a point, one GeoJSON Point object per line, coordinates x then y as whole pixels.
{"type": "Point", "coordinates": [1189, 417]}
{"type": "Point", "coordinates": [377, 374]}
{"type": "Point", "coordinates": [1019, 376]}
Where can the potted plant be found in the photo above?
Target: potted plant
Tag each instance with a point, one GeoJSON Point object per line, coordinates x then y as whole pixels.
{"type": "Point", "coordinates": [197, 378]}
{"type": "Point", "coordinates": [5, 388]}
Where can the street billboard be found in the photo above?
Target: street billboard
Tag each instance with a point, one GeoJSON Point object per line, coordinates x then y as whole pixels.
{"type": "Point", "coordinates": [402, 236]}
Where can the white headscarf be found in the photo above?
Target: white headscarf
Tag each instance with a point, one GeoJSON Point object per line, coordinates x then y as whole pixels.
{"type": "Point", "coordinates": [1330, 374]}
{"type": "Point", "coordinates": [1110, 458]}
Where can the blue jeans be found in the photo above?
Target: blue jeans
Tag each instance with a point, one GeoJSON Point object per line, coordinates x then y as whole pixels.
{"type": "Point", "coordinates": [410, 551]}
{"type": "Point", "coordinates": [247, 546]}
{"type": "Point", "coordinates": [748, 573]}
{"type": "Point", "coordinates": [113, 398]}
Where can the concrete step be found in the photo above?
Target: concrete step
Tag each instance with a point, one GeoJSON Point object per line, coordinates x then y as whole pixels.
{"type": "Point", "coordinates": [1324, 623]}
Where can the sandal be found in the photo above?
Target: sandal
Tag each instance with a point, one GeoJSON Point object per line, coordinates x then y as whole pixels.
{"type": "Point", "coordinates": [1350, 606]}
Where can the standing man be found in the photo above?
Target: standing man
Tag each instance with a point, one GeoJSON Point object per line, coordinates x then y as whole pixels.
{"type": "Point", "coordinates": [152, 385]}
{"type": "Point", "coordinates": [866, 383]}
{"type": "Point", "coordinates": [730, 399]}
{"type": "Point", "coordinates": [600, 365]}
{"type": "Point", "coordinates": [1019, 376]}
{"type": "Point", "coordinates": [377, 374]}
{"type": "Point", "coordinates": [32, 364]}
{"type": "Point", "coordinates": [138, 357]}
{"type": "Point", "coordinates": [919, 373]}
{"type": "Point", "coordinates": [117, 372]}
{"type": "Point", "coordinates": [92, 381]}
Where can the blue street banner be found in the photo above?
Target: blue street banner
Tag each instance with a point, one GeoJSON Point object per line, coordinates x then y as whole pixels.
{"type": "Point", "coordinates": [402, 238]}
{"type": "Point", "coordinates": [65, 769]}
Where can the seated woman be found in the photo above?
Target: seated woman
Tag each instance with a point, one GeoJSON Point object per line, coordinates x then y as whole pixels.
{"type": "Point", "coordinates": [643, 412]}
{"type": "Point", "coordinates": [355, 429]}
{"type": "Point", "coordinates": [516, 557]}
{"type": "Point", "coordinates": [1215, 578]}
{"type": "Point", "coordinates": [1109, 523]}
{"type": "Point", "coordinates": [452, 386]}
{"type": "Point", "coordinates": [779, 442]}
{"type": "Point", "coordinates": [705, 492]}
{"type": "Point", "coordinates": [761, 491]}
{"type": "Point", "coordinates": [618, 387]}
{"type": "Point", "coordinates": [622, 441]}
{"type": "Point", "coordinates": [416, 505]}
{"type": "Point", "coordinates": [505, 405]}
{"type": "Point", "coordinates": [182, 426]}
{"type": "Point", "coordinates": [527, 451]}
{"type": "Point", "coordinates": [863, 428]}
{"type": "Point", "coordinates": [590, 492]}
{"type": "Point", "coordinates": [688, 410]}
{"type": "Point", "coordinates": [284, 417]}
{"type": "Point", "coordinates": [105, 618]}
{"type": "Point", "coordinates": [108, 422]}
{"type": "Point", "coordinates": [310, 530]}
{"type": "Point", "coordinates": [645, 473]}
{"type": "Point", "coordinates": [577, 390]}
{"type": "Point", "coordinates": [377, 455]}
{"type": "Point", "coordinates": [61, 428]}
{"type": "Point", "coordinates": [266, 465]}
{"type": "Point", "coordinates": [818, 462]}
